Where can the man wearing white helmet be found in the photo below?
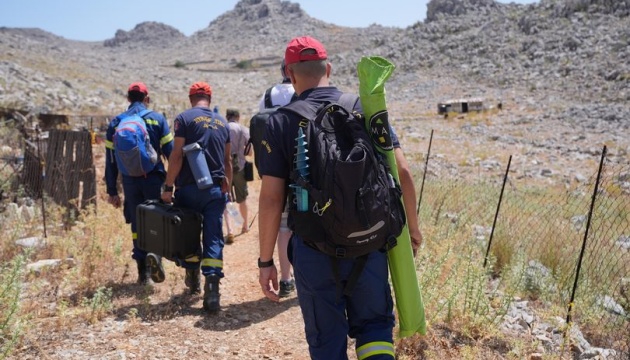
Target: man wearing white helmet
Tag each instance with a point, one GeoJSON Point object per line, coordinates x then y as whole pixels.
{"type": "Point", "coordinates": [276, 96]}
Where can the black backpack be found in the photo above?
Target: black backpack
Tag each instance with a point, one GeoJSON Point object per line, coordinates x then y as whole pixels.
{"type": "Point", "coordinates": [258, 126]}
{"type": "Point", "coordinates": [354, 204]}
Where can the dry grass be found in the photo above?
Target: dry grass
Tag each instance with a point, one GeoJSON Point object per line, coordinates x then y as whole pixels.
{"type": "Point", "coordinates": [96, 280]}
{"type": "Point", "coordinates": [535, 226]}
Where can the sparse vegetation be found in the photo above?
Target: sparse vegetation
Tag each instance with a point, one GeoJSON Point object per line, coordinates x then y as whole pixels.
{"type": "Point", "coordinates": [99, 305]}
{"type": "Point", "coordinates": [535, 244]}
{"type": "Point", "coordinates": [459, 292]}
{"type": "Point", "coordinates": [12, 321]}
{"type": "Point", "coordinates": [534, 254]}
{"type": "Point", "coordinates": [245, 64]}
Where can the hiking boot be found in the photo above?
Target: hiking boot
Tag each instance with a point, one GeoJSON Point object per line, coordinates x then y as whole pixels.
{"type": "Point", "coordinates": [286, 287]}
{"type": "Point", "coordinates": [193, 281]}
{"type": "Point", "coordinates": [211, 294]}
{"type": "Point", "coordinates": [154, 264]}
{"type": "Point", "coordinates": [144, 276]}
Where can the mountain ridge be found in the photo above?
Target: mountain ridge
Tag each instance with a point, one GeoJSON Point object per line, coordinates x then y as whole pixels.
{"type": "Point", "coordinates": [541, 51]}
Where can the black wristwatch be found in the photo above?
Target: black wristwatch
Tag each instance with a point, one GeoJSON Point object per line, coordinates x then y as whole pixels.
{"type": "Point", "coordinates": [168, 188]}
{"type": "Point", "coordinates": [264, 264]}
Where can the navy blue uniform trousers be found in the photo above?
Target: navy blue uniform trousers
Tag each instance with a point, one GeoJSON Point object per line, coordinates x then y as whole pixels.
{"type": "Point", "coordinates": [210, 203]}
{"type": "Point", "coordinates": [329, 318]}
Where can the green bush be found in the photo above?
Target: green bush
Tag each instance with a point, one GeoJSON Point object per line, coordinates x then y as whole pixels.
{"type": "Point", "coordinates": [99, 305]}
{"type": "Point", "coordinates": [244, 64]}
{"type": "Point", "coordinates": [10, 288]}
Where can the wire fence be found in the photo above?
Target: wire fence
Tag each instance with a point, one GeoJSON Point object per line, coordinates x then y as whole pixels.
{"type": "Point", "coordinates": [569, 244]}
{"type": "Point", "coordinates": [60, 167]}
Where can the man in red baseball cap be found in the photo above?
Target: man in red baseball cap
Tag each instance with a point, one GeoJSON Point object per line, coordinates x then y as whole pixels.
{"type": "Point", "coordinates": [202, 126]}
{"type": "Point", "coordinates": [138, 189]}
{"type": "Point", "coordinates": [304, 48]}
{"type": "Point", "coordinates": [139, 87]}
{"type": "Point", "coordinates": [329, 317]}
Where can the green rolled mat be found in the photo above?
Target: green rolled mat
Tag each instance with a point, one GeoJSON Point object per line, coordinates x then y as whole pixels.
{"type": "Point", "coordinates": [373, 73]}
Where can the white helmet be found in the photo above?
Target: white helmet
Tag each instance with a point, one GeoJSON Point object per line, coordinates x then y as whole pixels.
{"type": "Point", "coordinates": [283, 72]}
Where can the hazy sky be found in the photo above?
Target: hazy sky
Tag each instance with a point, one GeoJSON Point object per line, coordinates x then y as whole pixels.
{"type": "Point", "coordinates": [95, 20]}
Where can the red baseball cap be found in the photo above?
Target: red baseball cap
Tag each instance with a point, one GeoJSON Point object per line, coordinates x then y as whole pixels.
{"type": "Point", "coordinates": [200, 87]}
{"type": "Point", "coordinates": [293, 53]}
{"type": "Point", "coordinates": [139, 87]}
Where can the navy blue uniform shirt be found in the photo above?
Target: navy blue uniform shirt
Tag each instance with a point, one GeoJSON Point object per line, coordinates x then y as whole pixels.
{"type": "Point", "coordinates": [282, 129]}
{"type": "Point", "coordinates": [210, 130]}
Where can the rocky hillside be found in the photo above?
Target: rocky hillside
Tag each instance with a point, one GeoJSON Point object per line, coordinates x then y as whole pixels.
{"type": "Point", "coordinates": [577, 48]}
{"type": "Point", "coordinates": [564, 62]}
{"type": "Point", "coordinates": [147, 33]}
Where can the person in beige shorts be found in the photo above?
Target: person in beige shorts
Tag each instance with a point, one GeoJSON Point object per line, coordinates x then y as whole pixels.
{"type": "Point", "coordinates": [239, 137]}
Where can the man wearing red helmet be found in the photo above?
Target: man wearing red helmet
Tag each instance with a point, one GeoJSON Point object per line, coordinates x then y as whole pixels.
{"type": "Point", "coordinates": [209, 129]}
{"type": "Point", "coordinates": [137, 189]}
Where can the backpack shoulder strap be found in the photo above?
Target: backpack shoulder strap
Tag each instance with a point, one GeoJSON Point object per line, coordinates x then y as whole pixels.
{"type": "Point", "coordinates": [267, 98]}
{"type": "Point", "coordinates": [301, 108]}
{"type": "Point", "coordinates": [144, 113]}
{"type": "Point", "coordinates": [348, 101]}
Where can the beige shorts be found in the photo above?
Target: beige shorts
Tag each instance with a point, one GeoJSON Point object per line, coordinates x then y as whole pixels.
{"type": "Point", "coordinates": [240, 186]}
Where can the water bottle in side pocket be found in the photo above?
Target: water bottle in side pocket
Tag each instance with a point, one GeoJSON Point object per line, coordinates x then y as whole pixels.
{"type": "Point", "coordinates": [198, 164]}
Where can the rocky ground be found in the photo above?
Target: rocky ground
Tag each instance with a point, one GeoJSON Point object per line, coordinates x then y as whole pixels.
{"type": "Point", "coordinates": [559, 69]}
{"type": "Point", "coordinates": [168, 323]}
{"type": "Point", "coordinates": [165, 322]}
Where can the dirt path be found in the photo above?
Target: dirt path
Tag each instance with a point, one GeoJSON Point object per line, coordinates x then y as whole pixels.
{"type": "Point", "coordinates": [168, 323]}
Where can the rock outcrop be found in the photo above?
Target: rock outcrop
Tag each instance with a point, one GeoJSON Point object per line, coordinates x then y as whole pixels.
{"type": "Point", "coordinates": [148, 33]}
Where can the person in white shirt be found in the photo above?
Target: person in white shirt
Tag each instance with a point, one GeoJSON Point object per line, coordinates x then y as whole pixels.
{"type": "Point", "coordinates": [280, 95]}
{"type": "Point", "coordinates": [239, 136]}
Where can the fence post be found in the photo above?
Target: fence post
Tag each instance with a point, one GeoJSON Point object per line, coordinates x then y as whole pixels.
{"type": "Point", "coordinates": [426, 166]}
{"type": "Point", "coordinates": [588, 226]}
{"type": "Point", "coordinates": [92, 132]}
{"type": "Point", "coordinates": [496, 214]}
{"type": "Point", "coordinates": [42, 163]}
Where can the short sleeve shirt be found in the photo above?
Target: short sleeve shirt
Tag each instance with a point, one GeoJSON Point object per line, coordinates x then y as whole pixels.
{"type": "Point", "coordinates": [282, 129]}
{"type": "Point", "coordinates": [210, 130]}
{"type": "Point", "coordinates": [239, 136]}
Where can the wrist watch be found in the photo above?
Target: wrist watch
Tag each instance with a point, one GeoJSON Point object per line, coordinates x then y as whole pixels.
{"type": "Point", "coordinates": [168, 188]}
{"type": "Point", "coordinates": [264, 264]}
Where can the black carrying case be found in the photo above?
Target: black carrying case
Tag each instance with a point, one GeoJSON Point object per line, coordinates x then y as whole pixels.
{"type": "Point", "coordinates": [168, 231]}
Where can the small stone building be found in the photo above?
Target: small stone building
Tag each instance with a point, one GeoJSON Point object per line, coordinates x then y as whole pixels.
{"type": "Point", "coordinates": [460, 106]}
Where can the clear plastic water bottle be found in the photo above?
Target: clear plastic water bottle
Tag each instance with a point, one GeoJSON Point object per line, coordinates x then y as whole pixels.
{"type": "Point", "coordinates": [234, 213]}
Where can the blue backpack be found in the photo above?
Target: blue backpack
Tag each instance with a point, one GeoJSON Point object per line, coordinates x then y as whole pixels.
{"type": "Point", "coordinates": [134, 153]}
